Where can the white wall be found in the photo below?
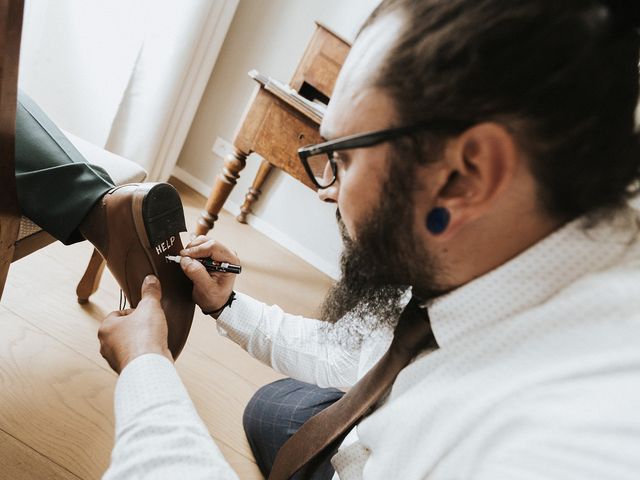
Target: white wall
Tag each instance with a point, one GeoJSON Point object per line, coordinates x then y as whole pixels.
{"type": "Point", "coordinates": [270, 36]}
{"type": "Point", "coordinates": [60, 41]}
{"type": "Point", "coordinates": [125, 75]}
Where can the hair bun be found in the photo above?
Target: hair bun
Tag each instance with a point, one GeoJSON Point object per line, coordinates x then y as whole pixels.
{"type": "Point", "coordinates": [626, 13]}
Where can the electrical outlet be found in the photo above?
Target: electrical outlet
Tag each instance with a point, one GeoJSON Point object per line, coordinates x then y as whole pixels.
{"type": "Point", "coordinates": [222, 148]}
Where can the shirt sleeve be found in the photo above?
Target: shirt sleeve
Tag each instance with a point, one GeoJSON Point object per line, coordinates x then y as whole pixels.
{"type": "Point", "coordinates": [291, 344]}
{"type": "Point", "coordinates": [159, 434]}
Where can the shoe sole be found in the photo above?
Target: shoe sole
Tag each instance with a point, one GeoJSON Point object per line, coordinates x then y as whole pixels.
{"type": "Point", "coordinates": [158, 217]}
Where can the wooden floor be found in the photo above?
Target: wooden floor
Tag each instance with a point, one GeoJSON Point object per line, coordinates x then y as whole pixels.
{"type": "Point", "coordinates": [56, 391]}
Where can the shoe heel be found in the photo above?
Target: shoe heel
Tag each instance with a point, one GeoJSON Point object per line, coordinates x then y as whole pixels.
{"type": "Point", "coordinates": [159, 210]}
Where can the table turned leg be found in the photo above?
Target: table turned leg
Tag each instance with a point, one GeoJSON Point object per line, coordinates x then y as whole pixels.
{"type": "Point", "coordinates": [254, 192]}
{"type": "Point", "coordinates": [225, 181]}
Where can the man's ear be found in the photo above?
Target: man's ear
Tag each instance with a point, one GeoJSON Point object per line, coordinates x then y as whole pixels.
{"type": "Point", "coordinates": [478, 167]}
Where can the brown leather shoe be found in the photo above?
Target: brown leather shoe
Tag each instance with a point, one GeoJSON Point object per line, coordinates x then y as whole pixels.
{"type": "Point", "coordinates": [138, 225]}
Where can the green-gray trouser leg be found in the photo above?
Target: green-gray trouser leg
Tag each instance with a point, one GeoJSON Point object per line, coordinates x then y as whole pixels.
{"type": "Point", "coordinates": [56, 185]}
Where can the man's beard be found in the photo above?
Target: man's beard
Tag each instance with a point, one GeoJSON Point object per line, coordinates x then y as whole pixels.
{"type": "Point", "coordinates": [378, 268]}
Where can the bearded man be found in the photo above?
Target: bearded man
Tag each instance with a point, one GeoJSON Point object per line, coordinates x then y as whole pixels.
{"type": "Point", "coordinates": [481, 155]}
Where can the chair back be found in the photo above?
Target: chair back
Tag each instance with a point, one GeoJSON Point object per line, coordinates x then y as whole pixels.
{"type": "Point", "coordinates": [11, 12]}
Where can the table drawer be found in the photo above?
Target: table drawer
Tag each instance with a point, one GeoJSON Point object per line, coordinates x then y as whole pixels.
{"type": "Point", "coordinates": [280, 135]}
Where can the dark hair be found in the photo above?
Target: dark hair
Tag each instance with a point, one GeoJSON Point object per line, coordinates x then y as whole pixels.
{"type": "Point", "coordinates": [561, 76]}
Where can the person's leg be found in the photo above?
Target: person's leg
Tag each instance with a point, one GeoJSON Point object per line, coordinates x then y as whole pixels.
{"type": "Point", "coordinates": [277, 411]}
{"type": "Point", "coordinates": [56, 186]}
{"type": "Point", "coordinates": [132, 226]}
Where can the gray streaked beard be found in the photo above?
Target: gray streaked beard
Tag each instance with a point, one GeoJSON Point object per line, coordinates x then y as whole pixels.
{"type": "Point", "coordinates": [360, 302]}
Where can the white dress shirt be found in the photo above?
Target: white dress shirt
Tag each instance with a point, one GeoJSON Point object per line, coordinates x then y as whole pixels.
{"type": "Point", "coordinates": [537, 376]}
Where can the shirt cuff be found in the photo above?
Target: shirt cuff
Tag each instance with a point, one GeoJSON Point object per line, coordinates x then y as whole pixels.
{"type": "Point", "coordinates": [147, 381]}
{"type": "Point", "coordinates": [239, 321]}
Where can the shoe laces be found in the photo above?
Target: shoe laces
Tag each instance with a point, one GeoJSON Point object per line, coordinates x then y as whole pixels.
{"type": "Point", "coordinates": [123, 301]}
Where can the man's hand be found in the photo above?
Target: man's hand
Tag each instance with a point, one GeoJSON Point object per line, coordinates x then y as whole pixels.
{"type": "Point", "coordinates": [210, 290]}
{"type": "Point", "coordinates": [127, 334]}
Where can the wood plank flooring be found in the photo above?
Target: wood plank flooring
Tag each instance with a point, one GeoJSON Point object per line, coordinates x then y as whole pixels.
{"type": "Point", "coordinates": [56, 391]}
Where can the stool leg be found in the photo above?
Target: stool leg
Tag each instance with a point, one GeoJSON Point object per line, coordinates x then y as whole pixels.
{"type": "Point", "coordinates": [225, 181]}
{"type": "Point", "coordinates": [8, 235]}
{"type": "Point", "coordinates": [254, 192]}
{"type": "Point", "coordinates": [91, 278]}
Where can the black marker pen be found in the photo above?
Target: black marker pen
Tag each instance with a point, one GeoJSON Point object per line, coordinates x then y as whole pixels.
{"type": "Point", "coordinates": [210, 265]}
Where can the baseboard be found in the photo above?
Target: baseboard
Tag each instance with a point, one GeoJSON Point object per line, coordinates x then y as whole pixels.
{"type": "Point", "coordinates": [198, 185]}
{"type": "Point", "coordinates": [261, 226]}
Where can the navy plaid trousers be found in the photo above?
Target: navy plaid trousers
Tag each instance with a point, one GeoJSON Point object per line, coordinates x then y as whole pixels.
{"type": "Point", "coordinates": [277, 411]}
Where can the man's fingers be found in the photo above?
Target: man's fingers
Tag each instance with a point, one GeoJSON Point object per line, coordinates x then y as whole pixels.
{"type": "Point", "coordinates": [151, 288]}
{"type": "Point", "coordinates": [211, 249]}
{"type": "Point", "coordinates": [195, 249]}
{"type": "Point", "coordinates": [199, 240]}
{"type": "Point", "coordinates": [195, 271]}
{"type": "Point", "coordinates": [115, 313]}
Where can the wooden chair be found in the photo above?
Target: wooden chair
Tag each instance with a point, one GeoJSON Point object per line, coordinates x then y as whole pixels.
{"type": "Point", "coordinates": [19, 236]}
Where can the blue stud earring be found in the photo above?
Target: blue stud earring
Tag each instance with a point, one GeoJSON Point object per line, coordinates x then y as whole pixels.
{"type": "Point", "coordinates": [438, 220]}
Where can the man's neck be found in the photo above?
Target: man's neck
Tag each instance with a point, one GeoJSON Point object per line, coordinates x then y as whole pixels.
{"type": "Point", "coordinates": [488, 247]}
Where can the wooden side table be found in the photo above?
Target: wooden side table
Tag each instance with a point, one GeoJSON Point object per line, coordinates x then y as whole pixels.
{"type": "Point", "coordinates": [275, 127]}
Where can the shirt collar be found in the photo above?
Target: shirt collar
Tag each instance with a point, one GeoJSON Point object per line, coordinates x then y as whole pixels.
{"type": "Point", "coordinates": [533, 276]}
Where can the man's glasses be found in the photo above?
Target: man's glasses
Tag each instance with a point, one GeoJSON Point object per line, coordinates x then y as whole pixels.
{"type": "Point", "coordinates": [316, 159]}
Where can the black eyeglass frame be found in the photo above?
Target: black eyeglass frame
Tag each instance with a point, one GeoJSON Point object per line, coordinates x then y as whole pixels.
{"type": "Point", "coordinates": [370, 139]}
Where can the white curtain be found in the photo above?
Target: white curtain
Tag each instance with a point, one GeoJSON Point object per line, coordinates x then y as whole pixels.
{"type": "Point", "coordinates": [126, 75]}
